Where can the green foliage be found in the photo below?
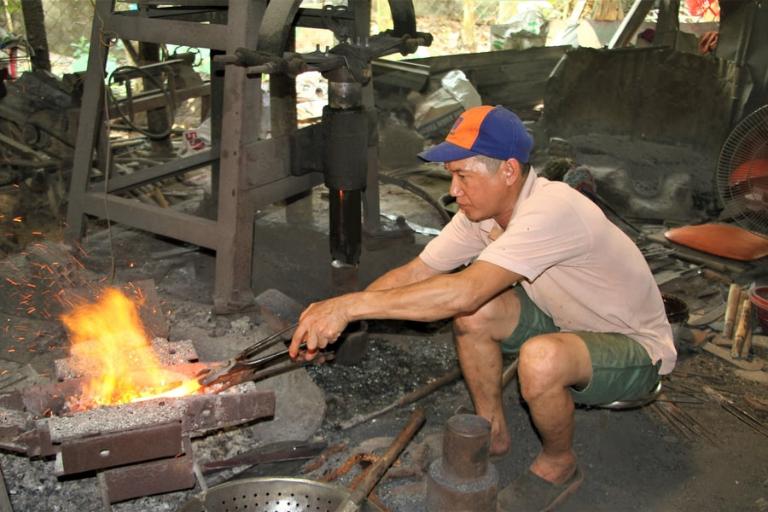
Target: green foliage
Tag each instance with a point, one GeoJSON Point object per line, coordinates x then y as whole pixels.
{"type": "Point", "coordinates": [80, 47]}
{"type": "Point", "coordinates": [13, 6]}
{"type": "Point", "coordinates": [80, 50]}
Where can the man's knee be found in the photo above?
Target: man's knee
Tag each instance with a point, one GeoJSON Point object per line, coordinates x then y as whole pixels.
{"type": "Point", "coordinates": [476, 322]}
{"type": "Point", "coordinates": [543, 366]}
{"type": "Point", "coordinates": [497, 318]}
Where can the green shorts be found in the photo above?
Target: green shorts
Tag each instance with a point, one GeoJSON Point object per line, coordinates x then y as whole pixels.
{"type": "Point", "coordinates": [621, 368]}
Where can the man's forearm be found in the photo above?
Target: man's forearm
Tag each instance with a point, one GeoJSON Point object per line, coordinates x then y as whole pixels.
{"type": "Point", "coordinates": [412, 272]}
{"type": "Point", "coordinates": [434, 298]}
{"type": "Point", "coordinates": [438, 297]}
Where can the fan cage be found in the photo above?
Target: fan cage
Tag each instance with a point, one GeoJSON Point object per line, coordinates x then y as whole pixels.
{"type": "Point", "coordinates": [742, 173]}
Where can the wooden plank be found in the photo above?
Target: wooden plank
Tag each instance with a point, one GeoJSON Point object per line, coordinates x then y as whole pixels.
{"type": "Point", "coordinates": [754, 365]}
{"type": "Point", "coordinates": [754, 376]}
{"type": "Point", "coordinates": [161, 221]}
{"type": "Point", "coordinates": [133, 27]}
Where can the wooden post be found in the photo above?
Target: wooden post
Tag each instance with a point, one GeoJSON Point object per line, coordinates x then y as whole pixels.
{"type": "Point", "coordinates": [731, 308]}
{"type": "Point", "coordinates": [468, 25]}
{"type": "Point", "coordinates": [742, 325]}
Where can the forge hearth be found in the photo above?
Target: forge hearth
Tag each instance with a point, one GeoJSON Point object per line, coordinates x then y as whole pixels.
{"type": "Point", "coordinates": [139, 448]}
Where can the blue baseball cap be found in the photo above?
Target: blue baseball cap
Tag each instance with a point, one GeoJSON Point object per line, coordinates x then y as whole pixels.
{"type": "Point", "coordinates": [489, 131]}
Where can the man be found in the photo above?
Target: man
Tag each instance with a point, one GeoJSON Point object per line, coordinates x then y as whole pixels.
{"type": "Point", "coordinates": [547, 275]}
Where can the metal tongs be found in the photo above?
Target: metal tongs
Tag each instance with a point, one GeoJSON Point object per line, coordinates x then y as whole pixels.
{"type": "Point", "coordinates": [235, 370]}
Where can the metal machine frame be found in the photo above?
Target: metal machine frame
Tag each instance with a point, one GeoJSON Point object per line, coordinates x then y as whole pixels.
{"type": "Point", "coordinates": [248, 172]}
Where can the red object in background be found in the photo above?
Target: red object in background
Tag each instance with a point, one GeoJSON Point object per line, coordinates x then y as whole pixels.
{"type": "Point", "coordinates": [759, 297]}
{"type": "Point", "coordinates": [193, 140]}
{"type": "Point", "coordinates": [13, 55]}
{"type": "Point", "coordinates": [723, 240]}
{"type": "Point", "coordinates": [751, 170]}
{"type": "Point", "coordinates": [708, 42]}
{"type": "Point", "coordinates": [700, 7]}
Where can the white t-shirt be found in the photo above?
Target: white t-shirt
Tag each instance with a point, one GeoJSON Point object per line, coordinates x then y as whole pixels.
{"type": "Point", "coordinates": [579, 268]}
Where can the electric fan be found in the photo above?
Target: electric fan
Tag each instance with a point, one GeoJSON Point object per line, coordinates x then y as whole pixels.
{"type": "Point", "coordinates": [742, 173]}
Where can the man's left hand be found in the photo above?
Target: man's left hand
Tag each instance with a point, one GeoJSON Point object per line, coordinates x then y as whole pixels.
{"type": "Point", "coordinates": [320, 325]}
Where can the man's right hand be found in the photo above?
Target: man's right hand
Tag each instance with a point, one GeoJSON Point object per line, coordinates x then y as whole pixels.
{"type": "Point", "coordinates": [320, 325]}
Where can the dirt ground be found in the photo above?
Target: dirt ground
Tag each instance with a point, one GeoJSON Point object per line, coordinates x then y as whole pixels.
{"type": "Point", "coordinates": [633, 460]}
{"type": "Point", "coordinates": [683, 453]}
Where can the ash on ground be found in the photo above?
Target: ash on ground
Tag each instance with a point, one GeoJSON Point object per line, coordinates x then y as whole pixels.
{"type": "Point", "coordinates": [392, 366]}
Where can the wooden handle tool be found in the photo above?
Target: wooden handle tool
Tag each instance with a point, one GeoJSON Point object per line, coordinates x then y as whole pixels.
{"type": "Point", "coordinates": [377, 470]}
{"type": "Point", "coordinates": [731, 308]}
{"type": "Point", "coordinates": [746, 345]}
{"type": "Point", "coordinates": [742, 323]}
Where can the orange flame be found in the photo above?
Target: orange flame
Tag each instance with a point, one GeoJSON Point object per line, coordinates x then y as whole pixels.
{"type": "Point", "coordinates": [112, 350]}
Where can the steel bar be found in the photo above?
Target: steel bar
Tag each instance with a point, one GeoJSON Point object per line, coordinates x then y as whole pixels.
{"type": "Point", "coordinates": [746, 418]}
{"type": "Point", "coordinates": [377, 470]}
{"type": "Point", "coordinates": [161, 476]}
{"type": "Point", "coordinates": [121, 448]}
{"type": "Point", "coordinates": [276, 452]}
{"type": "Point", "coordinates": [671, 421]}
{"type": "Point", "coordinates": [695, 426]}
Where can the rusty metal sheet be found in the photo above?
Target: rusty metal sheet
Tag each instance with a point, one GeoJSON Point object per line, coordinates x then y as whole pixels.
{"type": "Point", "coordinates": [150, 478]}
{"type": "Point", "coordinates": [21, 433]}
{"type": "Point", "coordinates": [210, 412]}
{"type": "Point", "coordinates": [128, 447]}
{"type": "Point", "coordinates": [38, 441]}
{"type": "Point", "coordinates": [13, 424]}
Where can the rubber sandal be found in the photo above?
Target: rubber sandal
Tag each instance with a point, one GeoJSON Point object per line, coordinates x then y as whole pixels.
{"type": "Point", "coordinates": [531, 493]}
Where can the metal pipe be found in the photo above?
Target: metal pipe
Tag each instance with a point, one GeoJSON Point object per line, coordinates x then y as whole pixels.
{"type": "Point", "coordinates": [345, 227]}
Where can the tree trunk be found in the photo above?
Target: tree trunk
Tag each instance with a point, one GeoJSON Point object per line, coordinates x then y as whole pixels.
{"type": "Point", "coordinates": [468, 25]}
{"type": "Point", "coordinates": [8, 16]}
{"type": "Point", "coordinates": [34, 23]}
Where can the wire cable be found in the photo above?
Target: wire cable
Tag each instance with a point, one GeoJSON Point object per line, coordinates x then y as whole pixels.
{"type": "Point", "coordinates": [170, 107]}
{"type": "Point", "coordinates": [420, 192]}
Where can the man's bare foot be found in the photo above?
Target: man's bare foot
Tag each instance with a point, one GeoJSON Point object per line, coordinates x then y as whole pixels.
{"type": "Point", "coordinates": [500, 441]}
{"type": "Point", "coordinates": [554, 469]}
